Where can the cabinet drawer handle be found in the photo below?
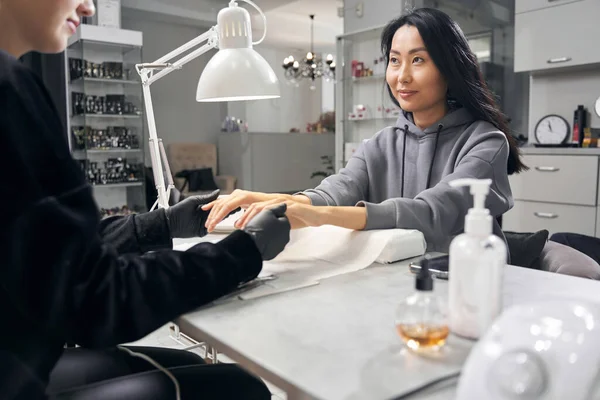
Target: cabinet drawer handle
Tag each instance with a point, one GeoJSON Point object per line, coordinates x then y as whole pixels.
{"type": "Point", "coordinates": [559, 60]}
{"type": "Point", "coordinates": [545, 215]}
{"type": "Point", "coordinates": [547, 169]}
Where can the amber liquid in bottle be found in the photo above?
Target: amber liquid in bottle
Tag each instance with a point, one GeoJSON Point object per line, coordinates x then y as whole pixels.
{"type": "Point", "coordinates": [421, 337]}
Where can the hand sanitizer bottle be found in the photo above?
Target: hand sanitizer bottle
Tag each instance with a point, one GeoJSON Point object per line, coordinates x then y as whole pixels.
{"type": "Point", "coordinates": [477, 258]}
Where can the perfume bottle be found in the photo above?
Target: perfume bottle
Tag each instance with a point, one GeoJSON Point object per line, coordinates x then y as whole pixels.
{"type": "Point", "coordinates": [421, 319]}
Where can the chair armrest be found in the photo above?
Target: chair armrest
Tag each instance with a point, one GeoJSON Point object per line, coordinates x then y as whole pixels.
{"type": "Point", "coordinates": [565, 260]}
{"type": "Point", "coordinates": [226, 183]}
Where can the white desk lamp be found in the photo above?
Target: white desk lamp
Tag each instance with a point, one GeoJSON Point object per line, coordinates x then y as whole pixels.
{"type": "Point", "coordinates": [236, 72]}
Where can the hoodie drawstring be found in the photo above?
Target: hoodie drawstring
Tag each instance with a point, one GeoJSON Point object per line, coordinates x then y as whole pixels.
{"type": "Point", "coordinates": [437, 139]}
{"type": "Point", "coordinates": [403, 158]}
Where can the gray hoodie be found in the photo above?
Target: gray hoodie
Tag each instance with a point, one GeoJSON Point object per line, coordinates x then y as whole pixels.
{"type": "Point", "coordinates": [401, 176]}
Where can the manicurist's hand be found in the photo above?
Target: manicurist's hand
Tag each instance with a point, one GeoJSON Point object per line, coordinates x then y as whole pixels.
{"type": "Point", "coordinates": [187, 218]}
{"type": "Point", "coordinates": [270, 231]}
{"type": "Point", "coordinates": [300, 215]}
{"type": "Point", "coordinates": [219, 209]}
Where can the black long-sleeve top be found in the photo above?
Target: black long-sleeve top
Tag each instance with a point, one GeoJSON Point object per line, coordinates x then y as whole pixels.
{"type": "Point", "coordinates": [61, 279]}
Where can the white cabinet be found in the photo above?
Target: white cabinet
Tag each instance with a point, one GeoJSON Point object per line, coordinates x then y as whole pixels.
{"type": "Point", "coordinates": [563, 35]}
{"type": "Point", "coordinates": [530, 216]}
{"type": "Point", "coordinates": [522, 6]}
{"type": "Point", "coordinates": [558, 193]}
{"type": "Point", "coordinates": [557, 179]}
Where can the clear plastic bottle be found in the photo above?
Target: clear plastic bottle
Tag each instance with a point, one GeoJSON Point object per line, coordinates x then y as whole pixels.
{"type": "Point", "coordinates": [421, 319]}
{"type": "Point", "coordinates": [477, 259]}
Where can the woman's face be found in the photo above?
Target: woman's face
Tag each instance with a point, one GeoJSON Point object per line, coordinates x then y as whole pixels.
{"type": "Point", "coordinates": [412, 76]}
{"type": "Point", "coordinates": [45, 25]}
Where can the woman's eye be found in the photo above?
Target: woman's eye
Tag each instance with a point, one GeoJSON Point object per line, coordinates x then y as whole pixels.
{"type": "Point", "coordinates": [393, 60]}
{"type": "Point", "coordinates": [418, 60]}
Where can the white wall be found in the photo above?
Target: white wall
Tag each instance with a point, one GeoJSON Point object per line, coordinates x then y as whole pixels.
{"type": "Point", "coordinates": [327, 95]}
{"type": "Point", "coordinates": [179, 118]}
{"type": "Point", "coordinates": [289, 25]}
{"type": "Point", "coordinates": [375, 13]}
{"type": "Point", "coordinates": [296, 107]}
{"type": "Point", "coordinates": [328, 87]}
{"type": "Point", "coordinates": [197, 11]}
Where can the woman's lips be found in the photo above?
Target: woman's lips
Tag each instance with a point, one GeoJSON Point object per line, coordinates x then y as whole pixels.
{"type": "Point", "coordinates": [405, 94]}
{"type": "Point", "coordinates": [72, 25]}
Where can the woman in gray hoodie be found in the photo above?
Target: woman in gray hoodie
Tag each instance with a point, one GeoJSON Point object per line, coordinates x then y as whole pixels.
{"type": "Point", "coordinates": [450, 128]}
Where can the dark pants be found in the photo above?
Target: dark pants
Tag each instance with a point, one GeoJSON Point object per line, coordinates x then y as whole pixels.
{"type": "Point", "coordinates": [83, 374]}
{"type": "Point", "coordinates": [590, 246]}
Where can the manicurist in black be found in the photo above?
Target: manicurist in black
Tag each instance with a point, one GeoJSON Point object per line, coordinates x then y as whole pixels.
{"type": "Point", "coordinates": [66, 276]}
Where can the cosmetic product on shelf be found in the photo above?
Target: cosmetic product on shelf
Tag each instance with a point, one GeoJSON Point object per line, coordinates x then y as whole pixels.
{"type": "Point", "coordinates": [579, 124]}
{"type": "Point", "coordinates": [79, 68]}
{"type": "Point", "coordinates": [115, 171]}
{"type": "Point", "coordinates": [113, 137]}
{"type": "Point", "coordinates": [111, 104]}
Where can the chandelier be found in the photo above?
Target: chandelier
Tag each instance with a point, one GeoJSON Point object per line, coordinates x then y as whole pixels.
{"type": "Point", "coordinates": [311, 67]}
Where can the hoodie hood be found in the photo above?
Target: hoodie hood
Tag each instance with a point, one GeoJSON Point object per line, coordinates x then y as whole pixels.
{"type": "Point", "coordinates": [453, 119]}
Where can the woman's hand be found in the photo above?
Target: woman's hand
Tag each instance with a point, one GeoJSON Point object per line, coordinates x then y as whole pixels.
{"type": "Point", "coordinates": [300, 215]}
{"type": "Point", "coordinates": [221, 208]}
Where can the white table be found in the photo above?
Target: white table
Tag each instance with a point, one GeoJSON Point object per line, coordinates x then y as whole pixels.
{"type": "Point", "coordinates": [337, 340]}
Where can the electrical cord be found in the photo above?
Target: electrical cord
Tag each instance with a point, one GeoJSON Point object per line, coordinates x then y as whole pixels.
{"type": "Point", "coordinates": [427, 385]}
{"type": "Point", "coordinates": [157, 366]}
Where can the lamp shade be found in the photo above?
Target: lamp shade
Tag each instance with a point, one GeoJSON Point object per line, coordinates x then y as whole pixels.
{"type": "Point", "coordinates": [237, 74]}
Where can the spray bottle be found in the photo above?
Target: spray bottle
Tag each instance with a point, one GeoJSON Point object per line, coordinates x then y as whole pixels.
{"type": "Point", "coordinates": [477, 258]}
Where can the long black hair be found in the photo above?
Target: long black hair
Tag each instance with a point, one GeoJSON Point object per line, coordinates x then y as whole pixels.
{"type": "Point", "coordinates": [450, 51]}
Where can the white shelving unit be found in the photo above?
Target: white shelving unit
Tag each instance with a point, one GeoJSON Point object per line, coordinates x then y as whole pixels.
{"type": "Point", "coordinates": [106, 116]}
{"type": "Point", "coordinates": [99, 45]}
{"type": "Point", "coordinates": [369, 91]}
{"type": "Point", "coordinates": [105, 80]}
{"type": "Point", "coordinates": [118, 185]}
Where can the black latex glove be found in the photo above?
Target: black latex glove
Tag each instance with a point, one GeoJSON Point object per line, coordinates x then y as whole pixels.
{"type": "Point", "coordinates": [270, 230]}
{"type": "Point", "coordinates": [186, 219]}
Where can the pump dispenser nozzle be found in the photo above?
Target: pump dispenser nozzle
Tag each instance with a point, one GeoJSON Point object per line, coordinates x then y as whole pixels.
{"type": "Point", "coordinates": [478, 220]}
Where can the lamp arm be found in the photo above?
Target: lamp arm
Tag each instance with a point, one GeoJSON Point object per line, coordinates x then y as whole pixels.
{"type": "Point", "coordinates": [181, 62]}
{"type": "Point", "coordinates": [146, 72]}
{"type": "Point", "coordinates": [189, 45]}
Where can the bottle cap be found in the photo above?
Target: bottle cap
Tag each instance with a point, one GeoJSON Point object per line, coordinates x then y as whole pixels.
{"type": "Point", "coordinates": [478, 220]}
{"type": "Point", "coordinates": [424, 280]}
